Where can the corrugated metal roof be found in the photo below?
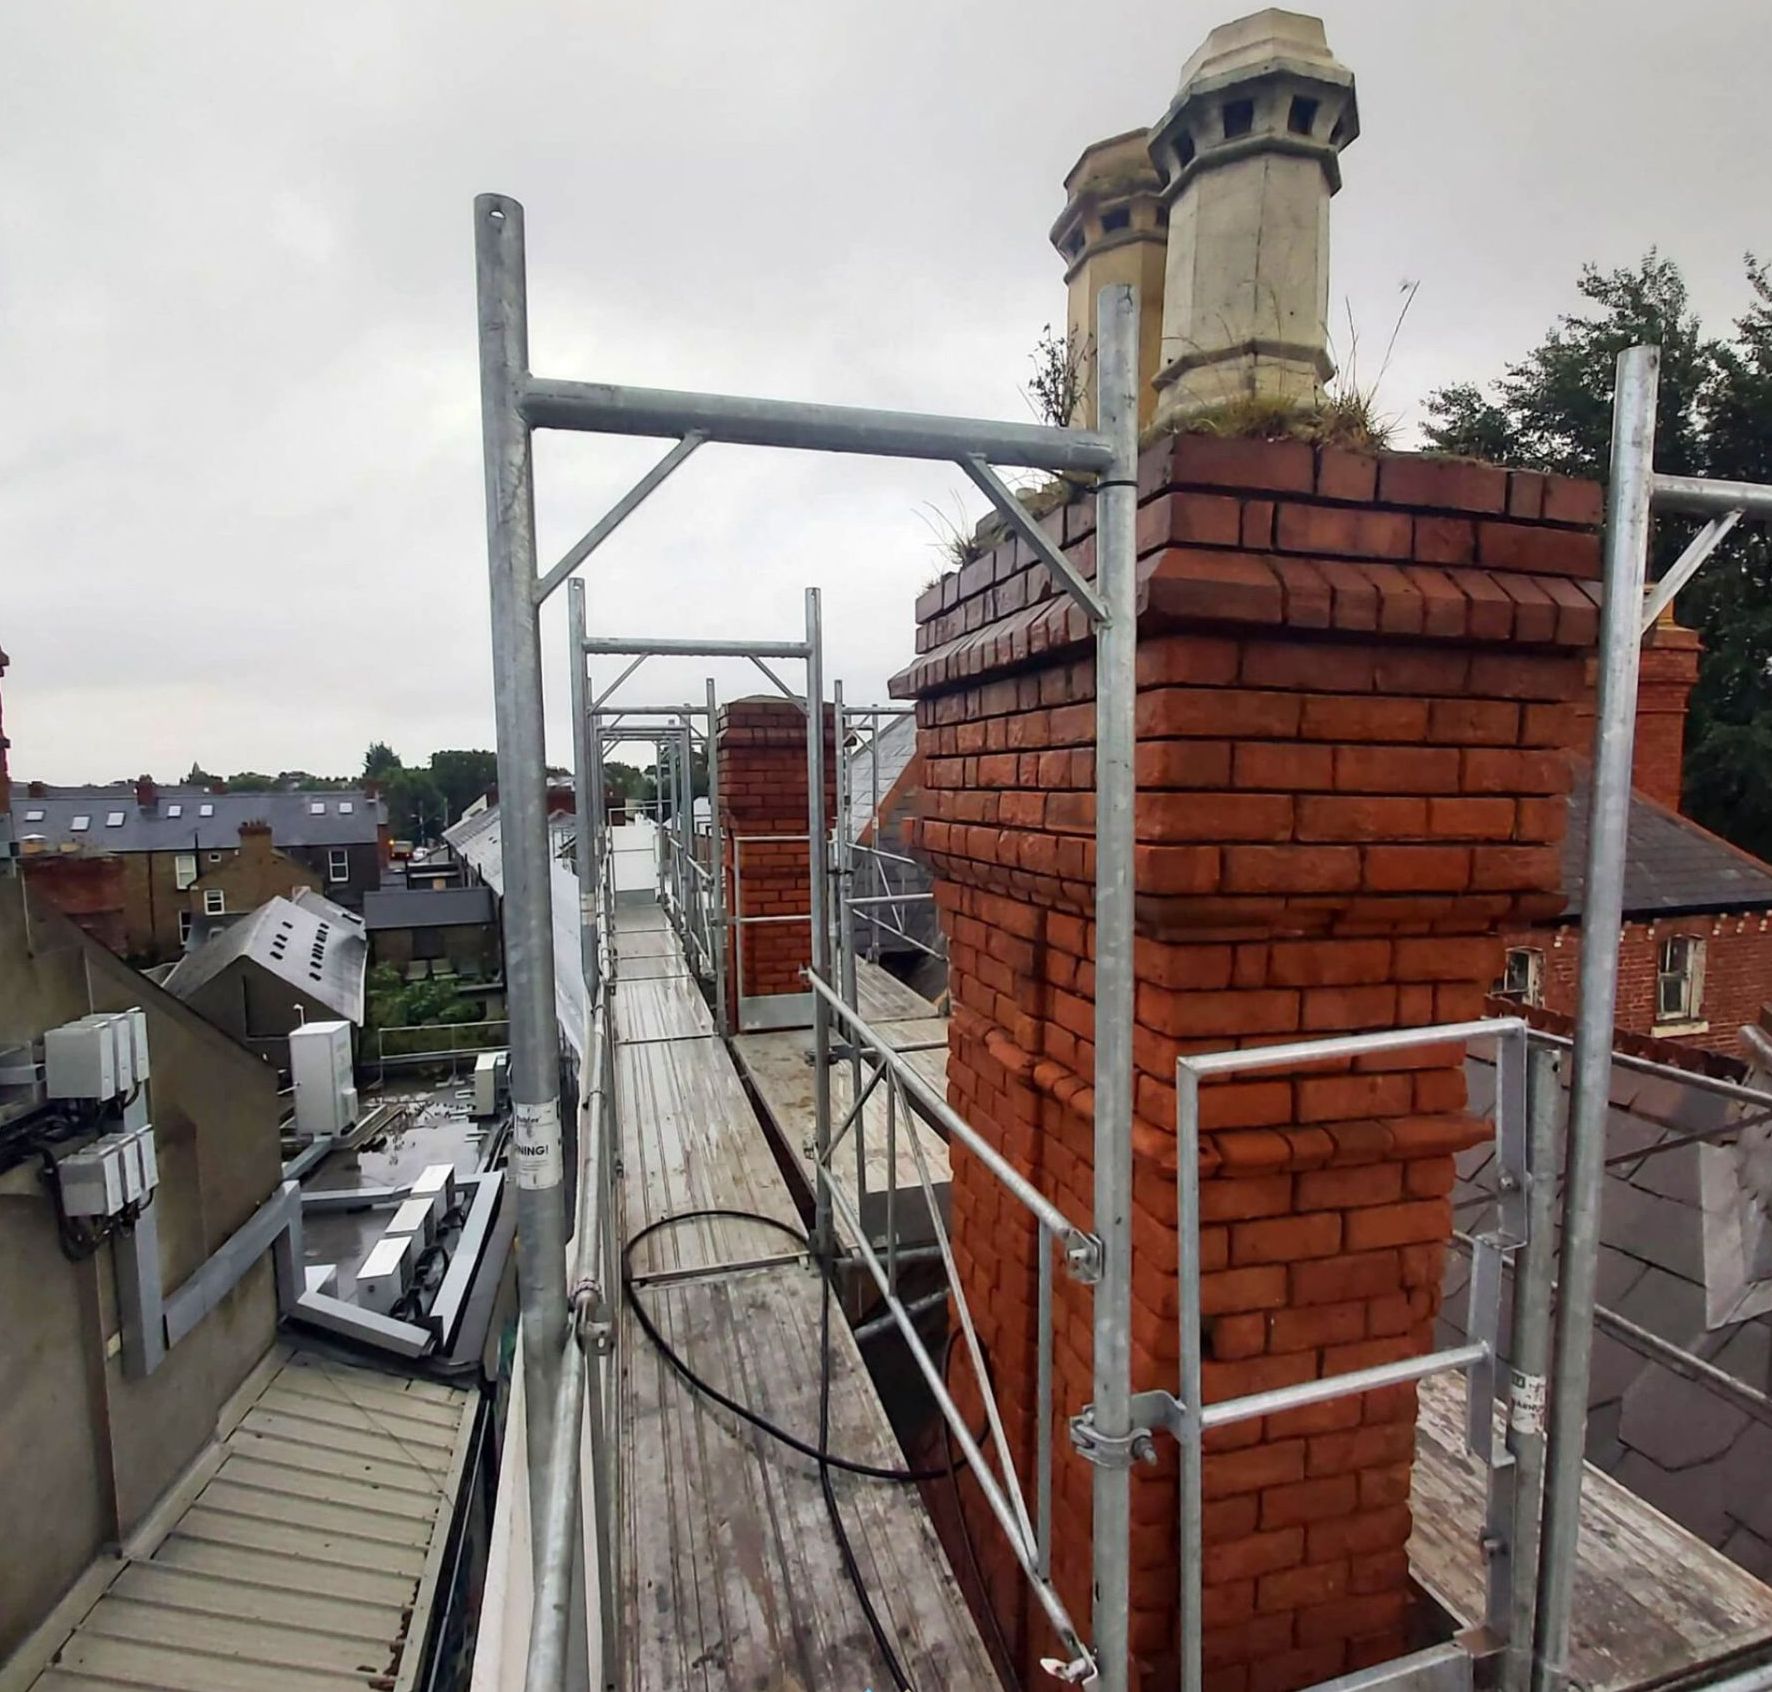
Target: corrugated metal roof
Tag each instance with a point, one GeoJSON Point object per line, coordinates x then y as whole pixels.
{"type": "Point", "coordinates": [419, 907]}
{"type": "Point", "coordinates": [176, 822]}
{"type": "Point", "coordinates": [319, 948]}
{"type": "Point", "coordinates": [300, 1553]}
{"type": "Point", "coordinates": [1670, 862]}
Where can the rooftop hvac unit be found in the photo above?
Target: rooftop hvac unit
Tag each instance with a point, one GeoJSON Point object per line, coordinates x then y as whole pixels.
{"type": "Point", "coordinates": [491, 1082]}
{"type": "Point", "coordinates": [325, 1087]}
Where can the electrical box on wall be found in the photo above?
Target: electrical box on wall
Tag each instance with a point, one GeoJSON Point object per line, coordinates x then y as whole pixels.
{"type": "Point", "coordinates": [325, 1087]}
{"type": "Point", "coordinates": [113, 1172]}
{"type": "Point", "coordinates": [99, 1057]}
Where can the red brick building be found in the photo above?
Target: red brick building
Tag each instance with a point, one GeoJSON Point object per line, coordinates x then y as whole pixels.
{"type": "Point", "coordinates": [1695, 963]}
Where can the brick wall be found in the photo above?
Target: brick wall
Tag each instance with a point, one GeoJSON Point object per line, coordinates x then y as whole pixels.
{"type": "Point", "coordinates": [88, 890]}
{"type": "Point", "coordinates": [1354, 681]}
{"type": "Point", "coordinates": [762, 794]}
{"type": "Point", "coordinates": [1737, 974]}
{"type": "Point", "coordinates": [1664, 685]}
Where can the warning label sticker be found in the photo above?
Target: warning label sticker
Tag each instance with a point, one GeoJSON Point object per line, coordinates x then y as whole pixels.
{"type": "Point", "coordinates": [1526, 1409]}
{"type": "Point", "coordinates": [535, 1145]}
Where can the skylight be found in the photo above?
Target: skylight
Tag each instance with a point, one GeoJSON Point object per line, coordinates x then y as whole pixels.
{"type": "Point", "coordinates": [80, 823]}
{"type": "Point", "coordinates": [317, 808]}
{"type": "Point", "coordinates": [114, 819]}
{"type": "Point", "coordinates": [345, 807]}
{"type": "Point", "coordinates": [206, 810]}
{"type": "Point", "coordinates": [33, 816]}
{"type": "Point", "coordinates": [175, 810]}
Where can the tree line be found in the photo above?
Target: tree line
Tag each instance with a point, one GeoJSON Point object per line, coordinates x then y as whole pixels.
{"type": "Point", "coordinates": [1552, 410]}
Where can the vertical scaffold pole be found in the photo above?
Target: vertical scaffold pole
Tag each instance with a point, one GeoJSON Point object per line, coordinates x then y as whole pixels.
{"type": "Point", "coordinates": [536, 1158]}
{"type": "Point", "coordinates": [1628, 495]}
{"type": "Point", "coordinates": [819, 909]}
{"type": "Point", "coordinates": [716, 865]}
{"type": "Point", "coordinates": [1116, 641]}
{"type": "Point", "coordinates": [586, 756]}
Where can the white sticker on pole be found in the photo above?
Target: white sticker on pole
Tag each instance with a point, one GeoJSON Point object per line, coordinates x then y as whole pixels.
{"type": "Point", "coordinates": [535, 1145]}
{"type": "Point", "coordinates": [1526, 1403]}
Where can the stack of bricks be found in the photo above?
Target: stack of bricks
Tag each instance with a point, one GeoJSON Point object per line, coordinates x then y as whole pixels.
{"type": "Point", "coordinates": [1355, 677]}
{"type": "Point", "coordinates": [762, 744]}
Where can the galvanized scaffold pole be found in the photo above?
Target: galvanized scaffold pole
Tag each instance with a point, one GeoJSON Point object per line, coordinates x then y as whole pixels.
{"type": "Point", "coordinates": [587, 758]}
{"type": "Point", "coordinates": [1116, 649]}
{"type": "Point", "coordinates": [1628, 498]}
{"type": "Point", "coordinates": [818, 863]}
{"type": "Point", "coordinates": [536, 1153]}
{"type": "Point", "coordinates": [716, 865]}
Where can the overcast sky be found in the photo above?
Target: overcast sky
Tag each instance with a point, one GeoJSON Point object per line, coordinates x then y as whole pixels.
{"type": "Point", "coordinates": [241, 514]}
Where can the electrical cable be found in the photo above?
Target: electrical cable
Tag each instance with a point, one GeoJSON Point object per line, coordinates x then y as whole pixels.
{"type": "Point", "coordinates": [851, 1566]}
{"type": "Point", "coordinates": [870, 1471]}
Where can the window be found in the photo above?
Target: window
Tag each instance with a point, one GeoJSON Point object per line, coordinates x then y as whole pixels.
{"type": "Point", "coordinates": [206, 810]}
{"type": "Point", "coordinates": [338, 864]}
{"type": "Point", "coordinates": [1302, 118]}
{"type": "Point", "coordinates": [80, 824]}
{"type": "Point", "coordinates": [1679, 980]}
{"type": "Point", "coordinates": [317, 808]}
{"type": "Point", "coordinates": [114, 819]}
{"type": "Point", "coordinates": [184, 870]}
{"type": "Point", "coordinates": [1239, 118]}
{"type": "Point", "coordinates": [215, 901]}
{"type": "Point", "coordinates": [1522, 977]}
{"type": "Point", "coordinates": [345, 807]}
{"type": "Point", "coordinates": [33, 816]}
{"type": "Point", "coordinates": [175, 810]}
{"type": "Point", "coordinates": [184, 927]}
{"type": "Point", "coordinates": [215, 857]}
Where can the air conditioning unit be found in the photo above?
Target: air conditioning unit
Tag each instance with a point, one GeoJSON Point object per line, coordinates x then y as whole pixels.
{"type": "Point", "coordinates": [491, 1082]}
{"type": "Point", "coordinates": [325, 1084]}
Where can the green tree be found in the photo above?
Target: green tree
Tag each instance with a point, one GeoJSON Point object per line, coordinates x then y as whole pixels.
{"type": "Point", "coordinates": [416, 805]}
{"type": "Point", "coordinates": [1552, 410]}
{"type": "Point", "coordinates": [463, 777]}
{"type": "Point", "coordinates": [252, 781]}
{"type": "Point", "coordinates": [380, 761]}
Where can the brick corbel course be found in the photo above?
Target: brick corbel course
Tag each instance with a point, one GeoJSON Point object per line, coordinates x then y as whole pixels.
{"type": "Point", "coordinates": [762, 743]}
{"type": "Point", "coordinates": [1355, 676]}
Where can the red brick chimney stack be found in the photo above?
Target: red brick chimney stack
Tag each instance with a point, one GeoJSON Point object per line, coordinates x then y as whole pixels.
{"type": "Point", "coordinates": [146, 794]}
{"type": "Point", "coordinates": [762, 745]}
{"type": "Point", "coordinates": [1354, 685]}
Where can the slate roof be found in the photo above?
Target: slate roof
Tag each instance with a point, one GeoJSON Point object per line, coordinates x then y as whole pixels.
{"type": "Point", "coordinates": [318, 948]}
{"type": "Point", "coordinates": [1682, 1445]}
{"type": "Point", "coordinates": [421, 907]}
{"type": "Point", "coordinates": [1671, 865]}
{"type": "Point", "coordinates": [176, 821]}
{"type": "Point", "coordinates": [897, 743]}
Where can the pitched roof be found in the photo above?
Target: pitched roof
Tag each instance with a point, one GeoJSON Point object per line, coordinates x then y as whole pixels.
{"type": "Point", "coordinates": [185, 819]}
{"type": "Point", "coordinates": [1671, 864]}
{"type": "Point", "coordinates": [891, 750]}
{"type": "Point", "coordinates": [318, 948]}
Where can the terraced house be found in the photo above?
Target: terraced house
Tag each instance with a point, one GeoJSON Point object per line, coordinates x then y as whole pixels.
{"type": "Point", "coordinates": [168, 839]}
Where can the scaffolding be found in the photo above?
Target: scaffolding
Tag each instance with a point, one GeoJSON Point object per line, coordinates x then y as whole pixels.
{"type": "Point", "coordinates": [566, 1326]}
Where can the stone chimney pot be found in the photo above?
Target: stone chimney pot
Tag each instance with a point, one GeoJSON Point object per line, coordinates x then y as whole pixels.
{"type": "Point", "coordinates": [1250, 154]}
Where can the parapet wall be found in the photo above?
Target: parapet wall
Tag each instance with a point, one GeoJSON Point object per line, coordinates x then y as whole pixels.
{"type": "Point", "coordinates": [1355, 678]}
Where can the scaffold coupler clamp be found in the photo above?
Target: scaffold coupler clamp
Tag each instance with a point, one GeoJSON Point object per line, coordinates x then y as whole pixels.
{"type": "Point", "coordinates": [1111, 1451]}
